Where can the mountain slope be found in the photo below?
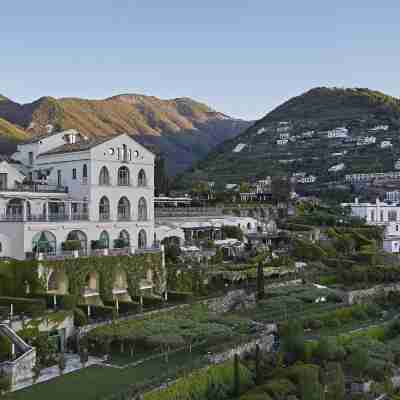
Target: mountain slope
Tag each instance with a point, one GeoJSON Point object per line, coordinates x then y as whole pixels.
{"type": "Point", "coordinates": [257, 152]}
{"type": "Point", "coordinates": [184, 130]}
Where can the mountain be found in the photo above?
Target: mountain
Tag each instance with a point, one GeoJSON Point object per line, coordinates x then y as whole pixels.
{"type": "Point", "coordinates": [257, 153]}
{"type": "Point", "coordinates": [182, 129]}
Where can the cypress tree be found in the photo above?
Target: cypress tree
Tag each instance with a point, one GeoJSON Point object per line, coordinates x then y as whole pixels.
{"type": "Point", "coordinates": [236, 377]}
{"type": "Point", "coordinates": [260, 282]}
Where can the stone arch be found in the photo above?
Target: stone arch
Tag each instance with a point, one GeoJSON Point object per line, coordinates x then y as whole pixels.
{"type": "Point", "coordinates": [44, 242]}
{"type": "Point", "coordinates": [104, 238]}
{"type": "Point", "coordinates": [79, 236]}
{"type": "Point", "coordinates": [58, 282]}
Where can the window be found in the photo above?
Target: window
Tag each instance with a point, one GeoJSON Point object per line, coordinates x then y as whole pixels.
{"type": "Point", "coordinates": [142, 178]}
{"type": "Point", "coordinates": [372, 215]}
{"type": "Point", "coordinates": [118, 153]}
{"type": "Point", "coordinates": [130, 154]}
{"type": "Point", "coordinates": [124, 237]}
{"type": "Point", "coordinates": [142, 209]}
{"type": "Point", "coordinates": [124, 152]}
{"type": "Point", "coordinates": [81, 238]}
{"type": "Point", "coordinates": [44, 242]}
{"type": "Point", "coordinates": [59, 177]}
{"type": "Point", "coordinates": [1, 247]}
{"type": "Point", "coordinates": [392, 215]}
{"type": "Point", "coordinates": [3, 181]}
{"type": "Point", "coordinates": [136, 153]}
{"type": "Point", "coordinates": [104, 209]}
{"type": "Point", "coordinates": [73, 173]}
{"type": "Point", "coordinates": [381, 215]}
{"type": "Point", "coordinates": [104, 178]}
{"type": "Point", "coordinates": [142, 239]}
{"type": "Point", "coordinates": [104, 240]}
{"type": "Point", "coordinates": [123, 176]}
{"type": "Point", "coordinates": [84, 171]}
{"type": "Point", "coordinates": [30, 158]}
{"type": "Point", "coordinates": [124, 209]}
{"type": "Point", "coordinates": [111, 151]}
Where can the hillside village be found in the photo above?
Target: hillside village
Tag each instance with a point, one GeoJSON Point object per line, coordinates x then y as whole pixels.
{"type": "Point", "coordinates": [277, 283]}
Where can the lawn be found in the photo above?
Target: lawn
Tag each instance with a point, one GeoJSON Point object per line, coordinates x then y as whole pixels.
{"type": "Point", "coordinates": [96, 382]}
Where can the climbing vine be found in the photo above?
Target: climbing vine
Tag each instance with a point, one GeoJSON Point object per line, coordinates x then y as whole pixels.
{"type": "Point", "coordinates": [135, 268]}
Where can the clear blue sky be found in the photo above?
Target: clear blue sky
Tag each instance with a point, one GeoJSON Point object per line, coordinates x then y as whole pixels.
{"type": "Point", "coordinates": [241, 57]}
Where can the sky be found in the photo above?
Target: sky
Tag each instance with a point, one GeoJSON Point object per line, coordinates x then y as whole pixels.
{"type": "Point", "coordinates": [242, 58]}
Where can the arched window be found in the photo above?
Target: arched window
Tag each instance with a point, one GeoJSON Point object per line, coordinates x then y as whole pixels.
{"type": "Point", "coordinates": [142, 239]}
{"type": "Point", "coordinates": [142, 209]}
{"type": "Point", "coordinates": [142, 178]}
{"type": "Point", "coordinates": [124, 236]}
{"type": "Point", "coordinates": [44, 242]}
{"type": "Point", "coordinates": [15, 208]}
{"type": "Point", "coordinates": [104, 209]}
{"type": "Point", "coordinates": [104, 177]}
{"type": "Point", "coordinates": [123, 176]}
{"type": "Point", "coordinates": [104, 239]}
{"type": "Point", "coordinates": [80, 237]}
{"type": "Point", "coordinates": [124, 209]}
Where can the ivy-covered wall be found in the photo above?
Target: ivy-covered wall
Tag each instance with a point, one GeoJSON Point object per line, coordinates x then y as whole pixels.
{"type": "Point", "coordinates": [18, 277]}
{"type": "Point", "coordinates": [135, 267]}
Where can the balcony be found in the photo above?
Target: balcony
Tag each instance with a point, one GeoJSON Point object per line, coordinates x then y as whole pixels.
{"type": "Point", "coordinates": [35, 188]}
{"type": "Point", "coordinates": [44, 218]}
{"type": "Point", "coordinates": [155, 248]}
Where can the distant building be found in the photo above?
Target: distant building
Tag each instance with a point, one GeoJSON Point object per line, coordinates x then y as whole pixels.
{"type": "Point", "coordinates": [363, 141]}
{"type": "Point", "coordinates": [307, 134]}
{"type": "Point", "coordinates": [367, 177]}
{"type": "Point", "coordinates": [283, 127]}
{"type": "Point", "coordinates": [380, 214]}
{"type": "Point", "coordinates": [281, 142]}
{"type": "Point", "coordinates": [385, 144]}
{"type": "Point", "coordinates": [239, 147]}
{"type": "Point", "coordinates": [393, 196]}
{"type": "Point", "coordinates": [397, 164]}
{"type": "Point", "coordinates": [261, 131]}
{"type": "Point", "coordinates": [307, 179]}
{"type": "Point", "coordinates": [337, 167]}
{"type": "Point", "coordinates": [284, 136]}
{"type": "Point", "coordinates": [379, 128]}
{"type": "Point", "coordinates": [340, 132]}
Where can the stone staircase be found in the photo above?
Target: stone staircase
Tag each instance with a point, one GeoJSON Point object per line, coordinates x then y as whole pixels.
{"type": "Point", "coordinates": [20, 367]}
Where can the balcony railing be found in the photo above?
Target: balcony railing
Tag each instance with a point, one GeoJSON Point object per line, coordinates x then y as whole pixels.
{"type": "Point", "coordinates": [155, 248]}
{"type": "Point", "coordinates": [44, 218]}
{"type": "Point", "coordinates": [36, 188]}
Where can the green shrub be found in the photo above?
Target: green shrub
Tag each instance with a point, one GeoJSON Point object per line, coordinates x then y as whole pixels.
{"type": "Point", "coordinates": [71, 245]}
{"type": "Point", "coordinates": [33, 307]}
{"type": "Point", "coordinates": [184, 297]}
{"type": "Point", "coordinates": [80, 317]}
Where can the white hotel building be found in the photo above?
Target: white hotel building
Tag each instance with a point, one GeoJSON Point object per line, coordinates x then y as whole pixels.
{"type": "Point", "coordinates": [65, 187]}
{"type": "Point", "coordinates": [381, 214]}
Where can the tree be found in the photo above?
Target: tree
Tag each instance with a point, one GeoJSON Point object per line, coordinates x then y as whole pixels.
{"type": "Point", "coordinates": [309, 386]}
{"type": "Point", "coordinates": [280, 189]}
{"type": "Point", "coordinates": [257, 365]}
{"type": "Point", "coordinates": [260, 282]}
{"type": "Point", "coordinates": [5, 383]}
{"type": "Point", "coordinates": [358, 361]}
{"type": "Point", "coordinates": [236, 377]}
{"type": "Point", "coordinates": [334, 382]}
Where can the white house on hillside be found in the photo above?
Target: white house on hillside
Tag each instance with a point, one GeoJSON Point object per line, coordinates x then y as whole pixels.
{"type": "Point", "coordinates": [80, 190]}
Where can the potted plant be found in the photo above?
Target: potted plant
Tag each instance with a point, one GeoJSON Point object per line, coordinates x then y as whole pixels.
{"type": "Point", "coordinates": [72, 245]}
{"type": "Point", "coordinates": [120, 243]}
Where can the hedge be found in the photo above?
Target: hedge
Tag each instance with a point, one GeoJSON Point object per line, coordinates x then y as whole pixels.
{"type": "Point", "coordinates": [178, 297]}
{"type": "Point", "coordinates": [64, 301]}
{"type": "Point", "coordinates": [149, 301]}
{"type": "Point", "coordinates": [98, 312]}
{"type": "Point", "coordinates": [199, 384]}
{"type": "Point", "coordinates": [125, 307]}
{"type": "Point", "coordinates": [24, 305]}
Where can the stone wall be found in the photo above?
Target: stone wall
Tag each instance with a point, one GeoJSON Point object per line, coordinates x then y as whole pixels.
{"type": "Point", "coordinates": [360, 296]}
{"type": "Point", "coordinates": [265, 341]}
{"type": "Point", "coordinates": [20, 369]}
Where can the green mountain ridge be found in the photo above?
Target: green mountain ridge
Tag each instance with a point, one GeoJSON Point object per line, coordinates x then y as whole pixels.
{"type": "Point", "coordinates": [319, 109]}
